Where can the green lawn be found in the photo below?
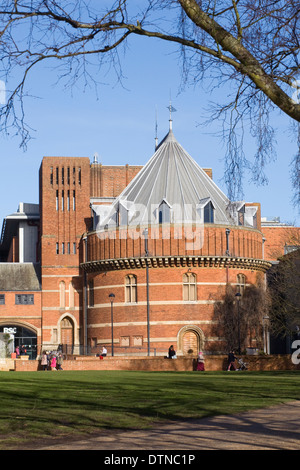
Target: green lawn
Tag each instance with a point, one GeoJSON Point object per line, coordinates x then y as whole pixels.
{"type": "Point", "coordinates": [49, 404]}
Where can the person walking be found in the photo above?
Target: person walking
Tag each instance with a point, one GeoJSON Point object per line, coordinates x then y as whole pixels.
{"type": "Point", "coordinates": [231, 361]}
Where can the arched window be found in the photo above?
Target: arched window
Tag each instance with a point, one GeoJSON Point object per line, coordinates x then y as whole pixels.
{"type": "Point", "coordinates": [130, 288]}
{"type": "Point", "coordinates": [240, 283]}
{"type": "Point", "coordinates": [62, 294]}
{"type": "Point", "coordinates": [189, 287]}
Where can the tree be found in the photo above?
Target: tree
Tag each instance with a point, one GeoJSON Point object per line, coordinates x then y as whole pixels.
{"type": "Point", "coordinates": [284, 285]}
{"type": "Point", "coordinates": [252, 45]}
{"type": "Point", "coordinates": [242, 325]}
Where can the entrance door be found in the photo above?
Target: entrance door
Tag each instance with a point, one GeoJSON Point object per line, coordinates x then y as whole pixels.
{"type": "Point", "coordinates": [190, 342]}
{"type": "Point", "coordinates": [67, 335]}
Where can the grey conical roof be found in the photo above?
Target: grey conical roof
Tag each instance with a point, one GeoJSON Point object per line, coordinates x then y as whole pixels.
{"type": "Point", "coordinates": [173, 177]}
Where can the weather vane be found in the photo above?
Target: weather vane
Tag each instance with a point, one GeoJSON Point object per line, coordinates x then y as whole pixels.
{"type": "Point", "coordinates": [171, 110]}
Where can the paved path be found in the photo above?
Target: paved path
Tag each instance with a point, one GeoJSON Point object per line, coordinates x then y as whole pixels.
{"type": "Point", "coordinates": [274, 428]}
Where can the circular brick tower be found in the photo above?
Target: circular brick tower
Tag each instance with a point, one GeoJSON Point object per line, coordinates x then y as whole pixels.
{"type": "Point", "coordinates": [162, 255]}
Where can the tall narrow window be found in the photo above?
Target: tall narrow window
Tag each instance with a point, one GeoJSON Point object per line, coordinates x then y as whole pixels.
{"type": "Point", "coordinates": [130, 289]}
{"type": "Point", "coordinates": [68, 200]}
{"type": "Point", "coordinates": [62, 248]}
{"type": "Point", "coordinates": [62, 294]}
{"type": "Point", "coordinates": [56, 202]}
{"type": "Point", "coordinates": [51, 176]}
{"type": "Point", "coordinates": [74, 175]}
{"type": "Point", "coordinates": [79, 175]}
{"type": "Point", "coordinates": [62, 175]}
{"type": "Point", "coordinates": [74, 248]}
{"type": "Point", "coordinates": [74, 201]}
{"type": "Point", "coordinates": [68, 175]}
{"type": "Point", "coordinates": [62, 200]}
{"type": "Point", "coordinates": [57, 248]}
{"type": "Point", "coordinates": [56, 175]}
{"type": "Point", "coordinates": [189, 287]}
{"type": "Point", "coordinates": [69, 249]}
{"type": "Point", "coordinates": [240, 283]}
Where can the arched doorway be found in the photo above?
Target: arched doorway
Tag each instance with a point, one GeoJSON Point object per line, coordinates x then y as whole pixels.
{"type": "Point", "coordinates": [190, 340]}
{"type": "Point", "coordinates": [22, 336]}
{"type": "Point", "coordinates": [67, 335]}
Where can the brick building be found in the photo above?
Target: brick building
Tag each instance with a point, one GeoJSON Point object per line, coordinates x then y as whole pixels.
{"type": "Point", "coordinates": [128, 257]}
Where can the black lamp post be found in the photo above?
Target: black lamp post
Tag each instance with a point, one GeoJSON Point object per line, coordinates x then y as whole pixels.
{"type": "Point", "coordinates": [112, 296]}
{"type": "Point", "coordinates": [238, 296]}
{"type": "Point", "coordinates": [147, 285]}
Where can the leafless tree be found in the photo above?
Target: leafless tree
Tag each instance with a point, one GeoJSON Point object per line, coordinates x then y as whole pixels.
{"type": "Point", "coordinates": [284, 284]}
{"type": "Point", "coordinates": [252, 45]}
{"type": "Point", "coordinates": [242, 325]}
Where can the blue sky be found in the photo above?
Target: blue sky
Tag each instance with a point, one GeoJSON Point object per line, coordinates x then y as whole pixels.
{"type": "Point", "coordinates": [120, 126]}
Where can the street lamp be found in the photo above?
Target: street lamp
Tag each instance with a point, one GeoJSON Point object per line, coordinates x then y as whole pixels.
{"type": "Point", "coordinates": [112, 296]}
{"type": "Point", "coordinates": [238, 296]}
{"type": "Point", "coordinates": [145, 233]}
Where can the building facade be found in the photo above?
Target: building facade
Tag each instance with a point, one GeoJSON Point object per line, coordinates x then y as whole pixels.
{"type": "Point", "coordinates": [128, 257]}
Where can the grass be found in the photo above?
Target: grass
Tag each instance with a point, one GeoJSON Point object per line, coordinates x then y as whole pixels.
{"type": "Point", "coordinates": [39, 405]}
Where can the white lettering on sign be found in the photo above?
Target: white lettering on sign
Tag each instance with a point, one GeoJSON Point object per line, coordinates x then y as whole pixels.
{"type": "Point", "coordinates": [11, 331]}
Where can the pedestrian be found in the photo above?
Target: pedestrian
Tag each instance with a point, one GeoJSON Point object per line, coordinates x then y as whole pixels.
{"type": "Point", "coordinates": [17, 351]}
{"type": "Point", "coordinates": [53, 362]}
{"type": "Point", "coordinates": [23, 350]}
{"type": "Point", "coordinates": [200, 361]}
{"type": "Point", "coordinates": [104, 352]}
{"type": "Point", "coordinates": [231, 361]}
{"type": "Point", "coordinates": [59, 362]}
{"type": "Point", "coordinates": [172, 352]}
{"type": "Point", "coordinates": [44, 361]}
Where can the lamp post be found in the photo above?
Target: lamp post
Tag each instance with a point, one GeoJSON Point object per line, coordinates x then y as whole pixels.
{"type": "Point", "coordinates": [112, 296]}
{"type": "Point", "coordinates": [147, 284]}
{"type": "Point", "coordinates": [238, 296]}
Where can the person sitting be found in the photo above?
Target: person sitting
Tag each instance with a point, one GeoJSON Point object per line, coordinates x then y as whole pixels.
{"type": "Point", "coordinates": [172, 352]}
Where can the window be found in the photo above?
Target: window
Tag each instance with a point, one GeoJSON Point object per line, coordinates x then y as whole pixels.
{"type": "Point", "coordinates": [189, 287]}
{"type": "Point", "coordinates": [74, 248]}
{"type": "Point", "coordinates": [164, 213]}
{"type": "Point", "coordinates": [62, 200]}
{"type": "Point", "coordinates": [62, 175]}
{"type": "Point", "coordinates": [56, 200]}
{"type": "Point", "coordinates": [74, 202]}
{"type": "Point", "coordinates": [209, 213]}
{"type": "Point", "coordinates": [56, 175]}
{"type": "Point", "coordinates": [68, 201]}
{"type": "Point", "coordinates": [51, 175]}
{"type": "Point", "coordinates": [241, 216]}
{"type": "Point", "coordinates": [68, 175]}
{"type": "Point", "coordinates": [130, 289]}
{"type": "Point", "coordinates": [2, 299]}
{"type": "Point", "coordinates": [62, 248]}
{"type": "Point", "coordinates": [206, 210]}
{"type": "Point", "coordinates": [57, 248]}
{"type": "Point", "coordinates": [240, 283]}
{"type": "Point", "coordinates": [24, 299]}
{"type": "Point", "coordinates": [79, 175]}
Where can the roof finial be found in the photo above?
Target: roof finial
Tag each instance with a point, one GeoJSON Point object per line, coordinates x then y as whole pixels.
{"type": "Point", "coordinates": [171, 109]}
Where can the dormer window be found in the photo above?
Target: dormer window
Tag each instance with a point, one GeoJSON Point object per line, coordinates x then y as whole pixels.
{"type": "Point", "coordinates": [241, 215]}
{"type": "Point", "coordinates": [164, 212]}
{"type": "Point", "coordinates": [209, 213]}
{"type": "Point", "coordinates": [206, 211]}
